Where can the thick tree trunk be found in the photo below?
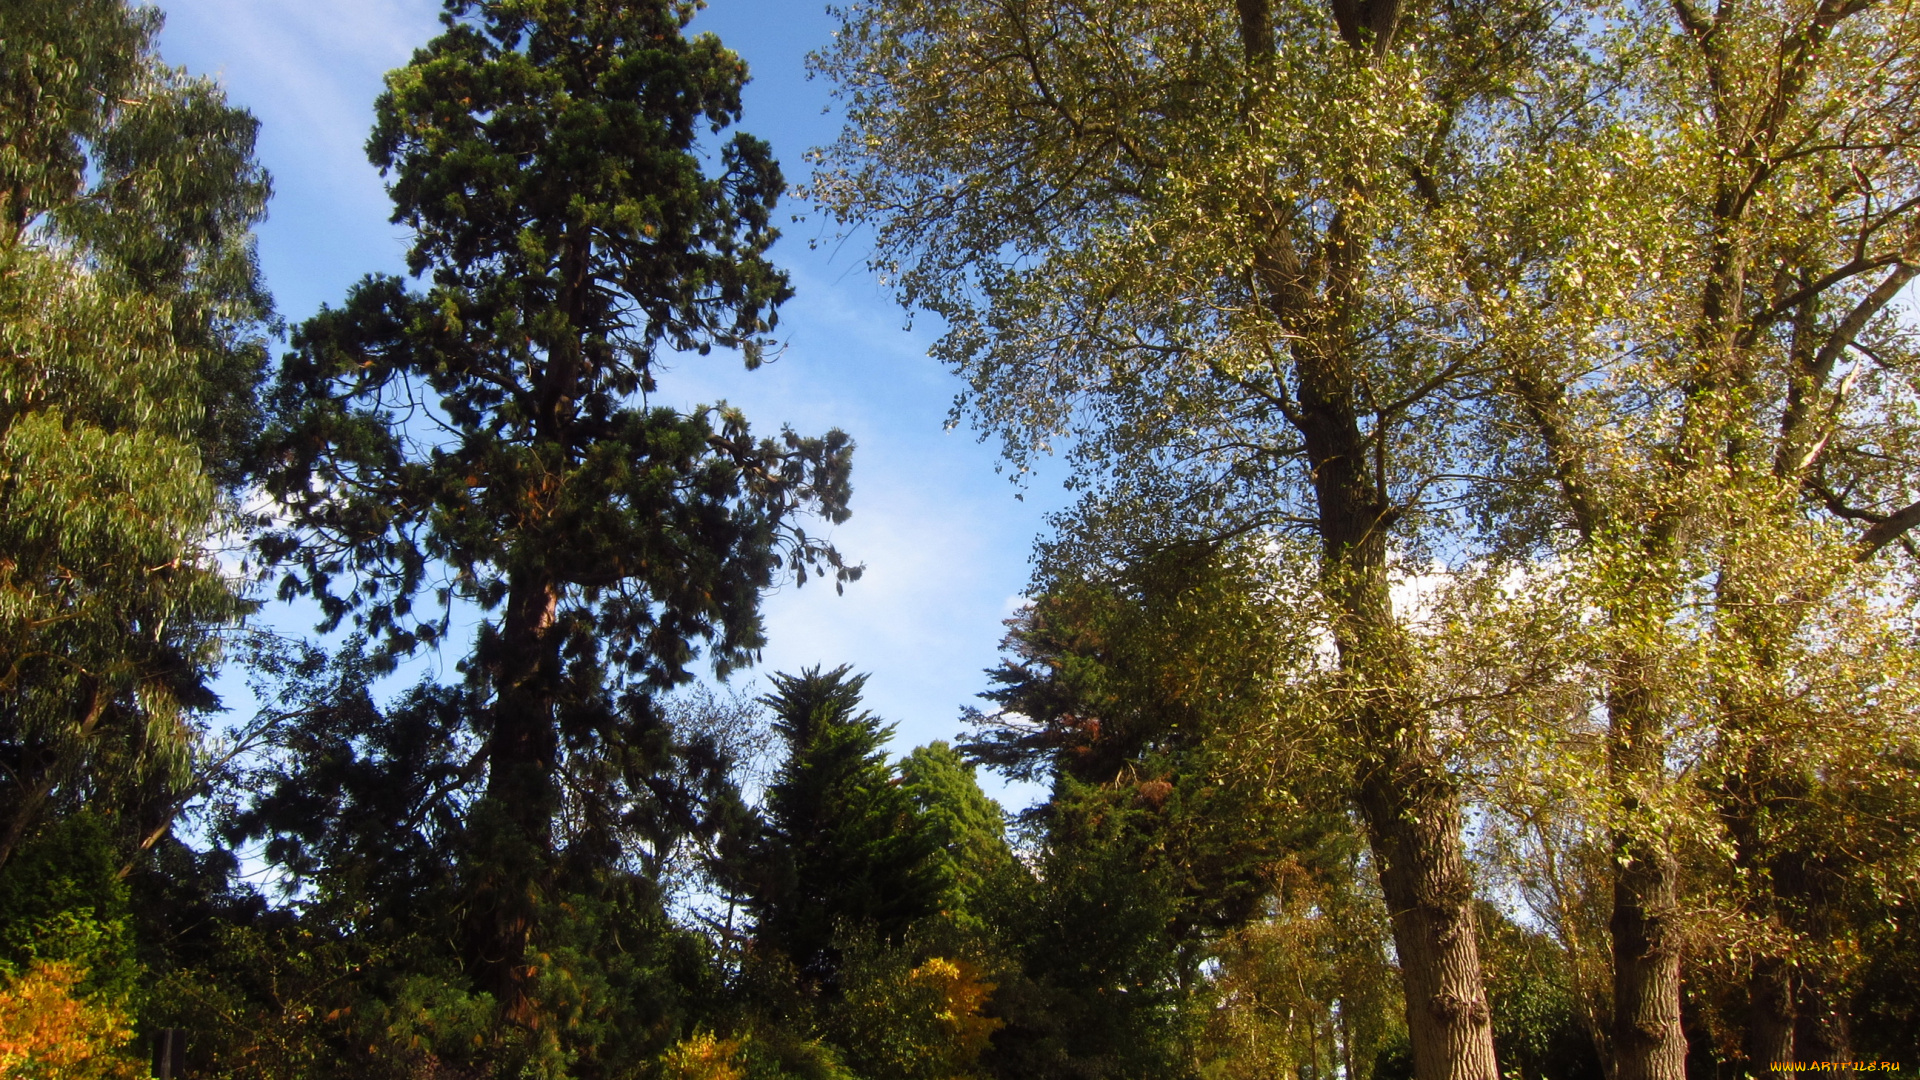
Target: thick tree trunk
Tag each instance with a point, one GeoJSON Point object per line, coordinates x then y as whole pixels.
{"type": "Point", "coordinates": [1770, 1015]}
{"type": "Point", "coordinates": [523, 753]}
{"type": "Point", "coordinates": [1411, 808]}
{"type": "Point", "coordinates": [1413, 821]}
{"type": "Point", "coordinates": [1414, 824]}
{"type": "Point", "coordinates": [1647, 1037]}
{"type": "Point", "coordinates": [1409, 802]}
{"type": "Point", "coordinates": [516, 844]}
{"type": "Point", "coordinates": [1648, 1041]}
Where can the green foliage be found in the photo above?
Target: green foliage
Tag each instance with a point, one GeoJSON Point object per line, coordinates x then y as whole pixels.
{"type": "Point", "coordinates": [968, 827]}
{"type": "Point", "coordinates": [150, 175]}
{"type": "Point", "coordinates": [484, 439]}
{"type": "Point", "coordinates": [372, 811]}
{"type": "Point", "coordinates": [845, 848]}
{"type": "Point", "coordinates": [286, 994]}
{"type": "Point", "coordinates": [64, 65]}
{"type": "Point", "coordinates": [903, 1014]}
{"type": "Point", "coordinates": [545, 157]}
{"type": "Point", "coordinates": [1536, 1019]}
{"type": "Point", "coordinates": [361, 804]}
{"type": "Point", "coordinates": [130, 321]}
{"type": "Point", "coordinates": [62, 899]}
{"type": "Point", "coordinates": [1098, 973]}
{"type": "Point", "coordinates": [1599, 303]}
{"type": "Point", "coordinates": [264, 1001]}
{"type": "Point", "coordinates": [1151, 682]}
{"type": "Point", "coordinates": [1182, 889]}
{"type": "Point", "coordinates": [108, 602]}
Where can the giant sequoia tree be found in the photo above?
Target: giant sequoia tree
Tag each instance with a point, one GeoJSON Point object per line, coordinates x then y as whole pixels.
{"type": "Point", "coordinates": [486, 439]}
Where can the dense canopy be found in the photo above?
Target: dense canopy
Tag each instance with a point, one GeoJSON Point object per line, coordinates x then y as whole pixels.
{"type": "Point", "coordinates": [1482, 646]}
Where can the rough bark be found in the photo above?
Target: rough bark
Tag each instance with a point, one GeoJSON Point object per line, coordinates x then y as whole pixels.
{"type": "Point", "coordinates": [521, 758]}
{"type": "Point", "coordinates": [1409, 802]}
{"type": "Point", "coordinates": [1413, 821]}
{"type": "Point", "coordinates": [1648, 1041]}
{"type": "Point", "coordinates": [1406, 797]}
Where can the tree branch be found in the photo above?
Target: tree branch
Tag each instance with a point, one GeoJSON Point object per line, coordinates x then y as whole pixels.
{"type": "Point", "coordinates": [1890, 528]}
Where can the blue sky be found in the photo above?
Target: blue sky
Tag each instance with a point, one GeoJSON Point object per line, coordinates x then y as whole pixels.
{"type": "Point", "coordinates": [943, 537]}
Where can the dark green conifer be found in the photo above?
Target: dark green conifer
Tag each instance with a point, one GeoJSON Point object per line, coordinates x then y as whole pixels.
{"type": "Point", "coordinates": [846, 850]}
{"type": "Point", "coordinates": [485, 436]}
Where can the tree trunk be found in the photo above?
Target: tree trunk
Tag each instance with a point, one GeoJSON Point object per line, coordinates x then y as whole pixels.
{"type": "Point", "coordinates": [1408, 800]}
{"type": "Point", "coordinates": [1770, 1015]}
{"type": "Point", "coordinates": [516, 842]}
{"type": "Point", "coordinates": [1414, 824]}
{"type": "Point", "coordinates": [523, 754]}
{"type": "Point", "coordinates": [1771, 987]}
{"type": "Point", "coordinates": [1648, 1041]}
{"type": "Point", "coordinates": [1409, 803]}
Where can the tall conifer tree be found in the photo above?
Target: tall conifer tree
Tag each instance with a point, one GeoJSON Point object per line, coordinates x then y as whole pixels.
{"type": "Point", "coordinates": [486, 437]}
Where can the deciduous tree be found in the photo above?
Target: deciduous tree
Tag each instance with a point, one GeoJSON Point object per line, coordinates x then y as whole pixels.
{"type": "Point", "coordinates": [130, 346]}
{"type": "Point", "coordinates": [1211, 247]}
{"type": "Point", "coordinates": [1680, 296]}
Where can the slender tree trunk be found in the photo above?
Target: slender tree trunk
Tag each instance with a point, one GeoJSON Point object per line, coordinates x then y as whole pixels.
{"type": "Point", "coordinates": [1748, 794]}
{"type": "Point", "coordinates": [1649, 1041]}
{"type": "Point", "coordinates": [1645, 1038]}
